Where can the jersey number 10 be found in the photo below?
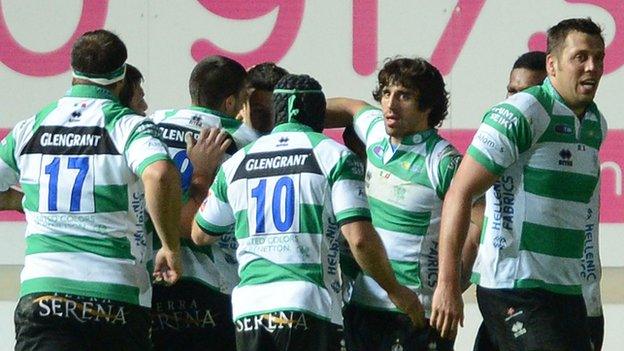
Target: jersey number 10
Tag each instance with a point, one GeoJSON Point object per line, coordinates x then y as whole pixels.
{"type": "Point", "coordinates": [283, 208]}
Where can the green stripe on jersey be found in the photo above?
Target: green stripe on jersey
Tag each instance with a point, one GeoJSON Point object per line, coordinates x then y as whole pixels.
{"type": "Point", "coordinates": [483, 229]}
{"type": "Point", "coordinates": [261, 271]}
{"type": "Point", "coordinates": [559, 185]}
{"type": "Point", "coordinates": [241, 229]}
{"type": "Point", "coordinates": [485, 161]}
{"type": "Point", "coordinates": [148, 161]}
{"type": "Point", "coordinates": [552, 241]}
{"type": "Point", "coordinates": [113, 112]}
{"type": "Point", "coordinates": [106, 247]}
{"type": "Point", "coordinates": [310, 219]}
{"type": "Point", "coordinates": [116, 292]}
{"type": "Point", "coordinates": [111, 198]}
{"type": "Point", "coordinates": [546, 100]}
{"type": "Point", "coordinates": [407, 273]}
{"type": "Point", "coordinates": [556, 288]}
{"type": "Point", "coordinates": [315, 138]}
{"type": "Point", "coordinates": [349, 167]}
{"type": "Point", "coordinates": [211, 228]}
{"type": "Point", "coordinates": [475, 278]}
{"type": "Point", "coordinates": [402, 165]}
{"type": "Point", "coordinates": [142, 130]}
{"type": "Point", "coordinates": [41, 115]}
{"type": "Point", "coordinates": [107, 198]}
{"type": "Point", "coordinates": [561, 129]}
{"type": "Point", "coordinates": [591, 133]}
{"type": "Point", "coordinates": [359, 213]}
{"type": "Point", "coordinates": [219, 186]}
{"type": "Point", "coordinates": [388, 217]}
{"type": "Point", "coordinates": [512, 123]}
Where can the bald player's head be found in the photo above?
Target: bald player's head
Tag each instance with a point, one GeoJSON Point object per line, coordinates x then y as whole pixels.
{"type": "Point", "coordinates": [528, 70]}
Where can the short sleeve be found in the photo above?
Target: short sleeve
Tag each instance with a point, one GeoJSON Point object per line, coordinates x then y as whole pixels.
{"type": "Point", "coordinates": [144, 147]}
{"type": "Point", "coordinates": [215, 216]}
{"type": "Point", "coordinates": [502, 136]}
{"type": "Point", "coordinates": [367, 118]}
{"type": "Point", "coordinates": [447, 167]}
{"type": "Point", "coordinates": [347, 187]}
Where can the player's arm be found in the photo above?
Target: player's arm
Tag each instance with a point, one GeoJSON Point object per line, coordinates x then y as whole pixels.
{"type": "Point", "coordinates": [205, 154]}
{"type": "Point", "coordinates": [370, 254]}
{"type": "Point", "coordinates": [340, 111]}
{"type": "Point", "coordinates": [11, 200]}
{"type": "Point", "coordinates": [201, 237]}
{"type": "Point", "coordinates": [353, 142]}
{"type": "Point", "coordinates": [162, 196]}
{"type": "Point", "coordinates": [148, 158]}
{"type": "Point", "coordinates": [471, 180]}
{"type": "Point", "coordinates": [350, 207]}
{"type": "Point", "coordinates": [215, 216]}
{"type": "Point", "coordinates": [447, 169]}
{"type": "Point", "coordinates": [502, 136]}
{"type": "Point", "coordinates": [471, 246]}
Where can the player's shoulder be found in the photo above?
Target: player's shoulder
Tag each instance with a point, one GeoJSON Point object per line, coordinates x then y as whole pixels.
{"type": "Point", "coordinates": [534, 102]}
{"type": "Point", "coordinates": [160, 116]}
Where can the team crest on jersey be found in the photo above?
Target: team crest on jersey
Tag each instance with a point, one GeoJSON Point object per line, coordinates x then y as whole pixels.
{"type": "Point", "coordinates": [399, 192]}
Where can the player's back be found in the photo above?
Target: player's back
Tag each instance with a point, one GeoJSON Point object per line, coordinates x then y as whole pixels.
{"type": "Point", "coordinates": [289, 191]}
{"type": "Point", "coordinates": [175, 124]}
{"type": "Point", "coordinates": [78, 162]}
{"type": "Point", "coordinates": [214, 266]}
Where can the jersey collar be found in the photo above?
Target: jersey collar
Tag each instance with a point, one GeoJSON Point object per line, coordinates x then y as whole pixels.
{"type": "Point", "coordinates": [550, 89]}
{"type": "Point", "coordinates": [417, 138]}
{"type": "Point", "coordinates": [90, 91]}
{"type": "Point", "coordinates": [291, 127]}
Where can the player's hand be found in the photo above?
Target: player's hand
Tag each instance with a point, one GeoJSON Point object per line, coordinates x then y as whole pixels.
{"type": "Point", "coordinates": [407, 301]}
{"type": "Point", "coordinates": [207, 151]}
{"type": "Point", "coordinates": [447, 311]}
{"type": "Point", "coordinates": [167, 266]}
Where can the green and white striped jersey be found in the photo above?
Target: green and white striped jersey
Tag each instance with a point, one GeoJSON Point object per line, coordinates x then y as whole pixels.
{"type": "Point", "coordinates": [288, 193]}
{"type": "Point", "coordinates": [405, 189]}
{"type": "Point", "coordinates": [78, 162]}
{"type": "Point", "coordinates": [537, 212]}
{"type": "Point", "coordinates": [214, 266]}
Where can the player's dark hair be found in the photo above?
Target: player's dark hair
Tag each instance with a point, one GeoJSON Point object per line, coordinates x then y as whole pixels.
{"type": "Point", "coordinates": [265, 75]}
{"type": "Point", "coordinates": [98, 52]}
{"type": "Point", "coordinates": [214, 79]}
{"type": "Point", "coordinates": [558, 33]}
{"type": "Point", "coordinates": [299, 98]}
{"type": "Point", "coordinates": [420, 76]}
{"type": "Point", "coordinates": [532, 60]}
